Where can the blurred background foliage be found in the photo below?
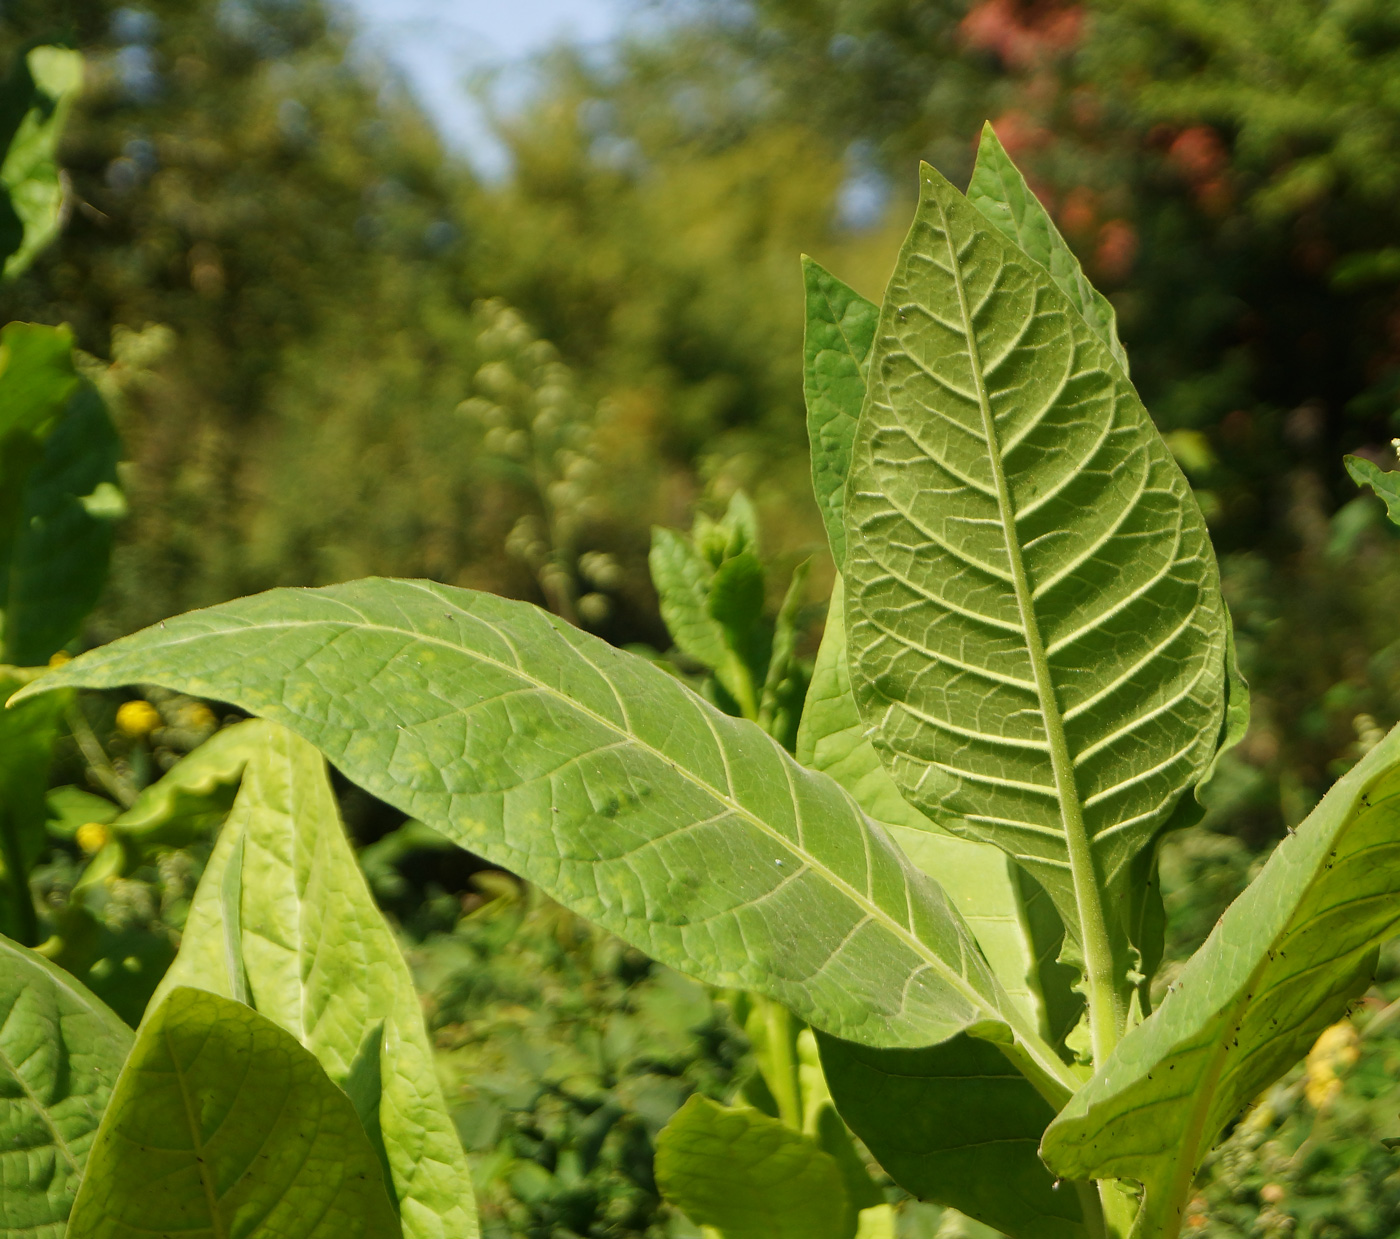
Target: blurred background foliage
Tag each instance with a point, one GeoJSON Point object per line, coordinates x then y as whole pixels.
{"type": "Point", "coordinates": [333, 350]}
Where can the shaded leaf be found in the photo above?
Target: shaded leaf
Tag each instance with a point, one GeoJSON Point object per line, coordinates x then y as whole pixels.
{"type": "Point", "coordinates": [1281, 965]}
{"type": "Point", "coordinates": [835, 355]}
{"type": "Point", "coordinates": [284, 909]}
{"type": "Point", "coordinates": [1036, 631]}
{"type": "Point", "coordinates": [750, 1177]}
{"type": "Point", "coordinates": [1000, 192]}
{"type": "Point", "coordinates": [602, 779]}
{"type": "Point", "coordinates": [60, 1052]}
{"type": "Point", "coordinates": [958, 1125]}
{"type": "Point", "coordinates": [240, 1128]}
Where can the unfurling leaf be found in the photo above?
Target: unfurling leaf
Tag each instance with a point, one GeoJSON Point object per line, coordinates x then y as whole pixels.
{"type": "Point", "coordinates": [61, 1049]}
{"type": "Point", "coordinates": [222, 1124]}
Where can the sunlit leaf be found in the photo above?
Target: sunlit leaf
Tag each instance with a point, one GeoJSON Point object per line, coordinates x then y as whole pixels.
{"type": "Point", "coordinates": [1386, 484]}
{"type": "Point", "coordinates": [222, 1124]}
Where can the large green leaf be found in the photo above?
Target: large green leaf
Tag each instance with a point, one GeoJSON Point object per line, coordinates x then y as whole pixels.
{"type": "Point", "coordinates": [1386, 484]}
{"type": "Point", "coordinates": [589, 771]}
{"type": "Point", "coordinates": [1037, 636]}
{"type": "Point", "coordinates": [283, 896]}
{"type": "Point", "coordinates": [32, 113]}
{"type": "Point", "coordinates": [835, 357]}
{"type": "Point", "coordinates": [27, 737]}
{"type": "Point", "coordinates": [749, 1176]}
{"type": "Point", "coordinates": [1284, 962]}
{"type": "Point", "coordinates": [221, 1124]}
{"type": "Point", "coordinates": [60, 1052]}
{"type": "Point", "coordinates": [958, 1125]}
{"type": "Point", "coordinates": [1000, 192]}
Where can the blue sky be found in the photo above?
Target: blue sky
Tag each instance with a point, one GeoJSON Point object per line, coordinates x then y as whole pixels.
{"type": "Point", "coordinates": [437, 43]}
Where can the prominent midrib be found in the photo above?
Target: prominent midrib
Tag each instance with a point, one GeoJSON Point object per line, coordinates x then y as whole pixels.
{"type": "Point", "coordinates": [1098, 955]}
{"type": "Point", "coordinates": [872, 909]}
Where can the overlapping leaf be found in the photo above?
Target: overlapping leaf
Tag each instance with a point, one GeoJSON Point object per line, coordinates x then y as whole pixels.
{"type": "Point", "coordinates": [284, 918]}
{"type": "Point", "coordinates": [222, 1124]}
{"type": "Point", "coordinates": [835, 354]}
{"type": "Point", "coordinates": [604, 780]}
{"type": "Point", "coordinates": [1000, 192]}
{"type": "Point", "coordinates": [1283, 963]}
{"type": "Point", "coordinates": [750, 1177]}
{"type": "Point", "coordinates": [1036, 630]}
{"type": "Point", "coordinates": [60, 1052]}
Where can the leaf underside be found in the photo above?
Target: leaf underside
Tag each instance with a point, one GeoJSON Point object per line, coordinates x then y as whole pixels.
{"type": "Point", "coordinates": [61, 1050]}
{"type": "Point", "coordinates": [241, 1130]}
{"type": "Point", "coordinates": [1283, 963]}
{"type": "Point", "coordinates": [1036, 631]}
{"type": "Point", "coordinates": [600, 778]}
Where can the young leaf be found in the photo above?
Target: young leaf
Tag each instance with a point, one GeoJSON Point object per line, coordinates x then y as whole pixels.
{"type": "Point", "coordinates": [60, 1052]}
{"type": "Point", "coordinates": [1009, 914]}
{"type": "Point", "coordinates": [749, 1176]}
{"type": "Point", "coordinates": [35, 106]}
{"type": "Point", "coordinates": [599, 777]}
{"type": "Point", "coordinates": [222, 1124]}
{"type": "Point", "coordinates": [1000, 192]}
{"type": "Point", "coordinates": [1283, 963]}
{"type": "Point", "coordinates": [283, 908]}
{"type": "Point", "coordinates": [1037, 636]}
{"type": "Point", "coordinates": [958, 1125]}
{"type": "Point", "coordinates": [835, 357]}
{"type": "Point", "coordinates": [1386, 484]}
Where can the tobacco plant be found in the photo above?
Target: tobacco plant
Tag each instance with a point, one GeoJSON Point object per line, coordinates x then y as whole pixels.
{"type": "Point", "coordinates": [1026, 677]}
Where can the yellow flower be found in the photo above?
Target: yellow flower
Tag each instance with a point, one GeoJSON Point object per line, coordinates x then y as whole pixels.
{"type": "Point", "coordinates": [59, 658]}
{"type": "Point", "coordinates": [137, 719]}
{"type": "Point", "coordinates": [1333, 1052]}
{"type": "Point", "coordinates": [92, 837]}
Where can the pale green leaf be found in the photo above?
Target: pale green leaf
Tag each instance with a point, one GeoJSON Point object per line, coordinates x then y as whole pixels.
{"type": "Point", "coordinates": [749, 1176]}
{"type": "Point", "coordinates": [60, 1052]}
{"type": "Point", "coordinates": [1282, 964]}
{"type": "Point", "coordinates": [592, 773]}
{"type": "Point", "coordinates": [1037, 636]}
{"type": "Point", "coordinates": [51, 77]}
{"type": "Point", "coordinates": [1009, 914]}
{"type": "Point", "coordinates": [682, 580]}
{"type": "Point", "coordinates": [1385, 483]}
{"type": "Point", "coordinates": [283, 908]}
{"type": "Point", "coordinates": [221, 1124]}
{"type": "Point", "coordinates": [1000, 192]}
{"type": "Point", "coordinates": [958, 1125]}
{"type": "Point", "coordinates": [835, 355]}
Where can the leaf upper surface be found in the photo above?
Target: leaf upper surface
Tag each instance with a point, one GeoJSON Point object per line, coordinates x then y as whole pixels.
{"type": "Point", "coordinates": [61, 1050]}
{"type": "Point", "coordinates": [322, 964]}
{"type": "Point", "coordinates": [239, 1131]}
{"type": "Point", "coordinates": [599, 777]}
{"type": "Point", "coordinates": [1036, 631]}
{"type": "Point", "coordinates": [1282, 964]}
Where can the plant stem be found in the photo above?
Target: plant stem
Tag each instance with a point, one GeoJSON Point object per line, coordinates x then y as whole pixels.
{"type": "Point", "coordinates": [96, 757]}
{"type": "Point", "coordinates": [1106, 1015]}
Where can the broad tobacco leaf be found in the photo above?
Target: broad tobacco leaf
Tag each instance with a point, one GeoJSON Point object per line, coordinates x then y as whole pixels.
{"type": "Point", "coordinates": [749, 1176]}
{"type": "Point", "coordinates": [1000, 192]}
{"type": "Point", "coordinates": [601, 778]}
{"type": "Point", "coordinates": [283, 919]}
{"type": "Point", "coordinates": [34, 104]}
{"type": "Point", "coordinates": [1037, 636]}
{"type": "Point", "coordinates": [60, 1052]}
{"type": "Point", "coordinates": [221, 1123]}
{"type": "Point", "coordinates": [835, 358]}
{"type": "Point", "coordinates": [1283, 963]}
